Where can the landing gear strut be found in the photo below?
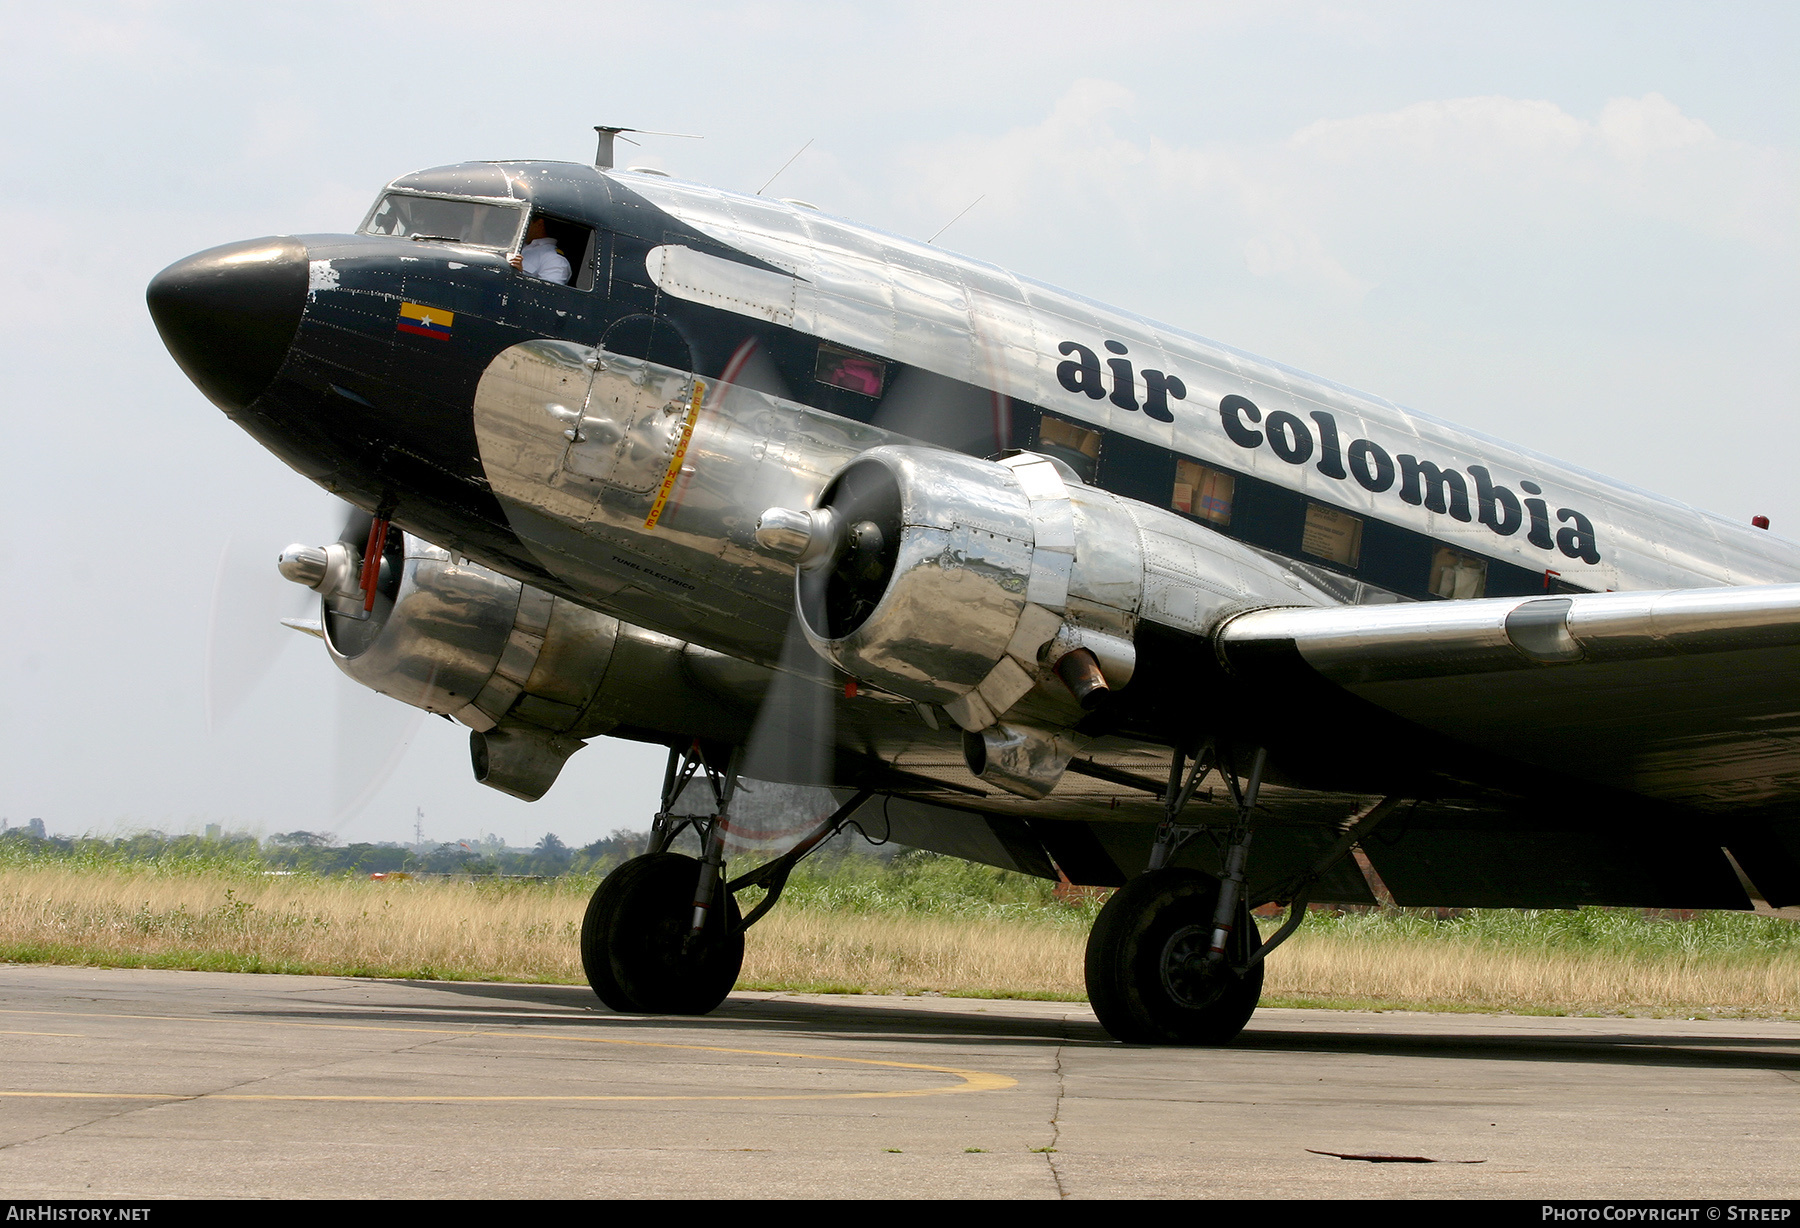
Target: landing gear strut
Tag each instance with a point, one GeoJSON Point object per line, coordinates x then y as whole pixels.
{"type": "Point", "coordinates": [663, 934]}
{"type": "Point", "coordinates": [1168, 959]}
{"type": "Point", "coordinates": [1175, 957]}
{"type": "Point", "coordinates": [655, 939]}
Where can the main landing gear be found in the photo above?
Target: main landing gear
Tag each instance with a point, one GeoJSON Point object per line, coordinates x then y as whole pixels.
{"type": "Point", "coordinates": [1175, 957]}
{"type": "Point", "coordinates": [1148, 976]}
{"type": "Point", "coordinates": [638, 945]}
{"type": "Point", "coordinates": [663, 934]}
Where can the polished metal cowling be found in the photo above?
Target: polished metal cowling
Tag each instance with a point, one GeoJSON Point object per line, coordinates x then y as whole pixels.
{"type": "Point", "coordinates": [962, 582]}
{"type": "Point", "coordinates": [965, 583]}
{"type": "Point", "coordinates": [931, 611]}
{"type": "Point", "coordinates": [532, 675]}
{"type": "Point", "coordinates": [521, 668]}
{"type": "Point", "coordinates": [456, 638]}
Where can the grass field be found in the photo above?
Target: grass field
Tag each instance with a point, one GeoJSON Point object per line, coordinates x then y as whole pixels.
{"type": "Point", "coordinates": [920, 924]}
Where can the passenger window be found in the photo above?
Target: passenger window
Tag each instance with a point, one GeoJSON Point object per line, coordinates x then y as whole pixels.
{"type": "Point", "coordinates": [1202, 491]}
{"type": "Point", "coordinates": [430, 217]}
{"type": "Point", "coordinates": [1457, 575]}
{"type": "Point", "coordinates": [851, 371]}
{"type": "Point", "coordinates": [1075, 446]}
{"type": "Point", "coordinates": [1331, 534]}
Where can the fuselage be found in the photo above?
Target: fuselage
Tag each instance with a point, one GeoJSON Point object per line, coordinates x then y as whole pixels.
{"type": "Point", "coordinates": [613, 440]}
{"type": "Point", "coordinates": [429, 380]}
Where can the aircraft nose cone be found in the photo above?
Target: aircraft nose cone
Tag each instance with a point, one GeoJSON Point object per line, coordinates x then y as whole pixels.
{"type": "Point", "coordinates": [229, 314]}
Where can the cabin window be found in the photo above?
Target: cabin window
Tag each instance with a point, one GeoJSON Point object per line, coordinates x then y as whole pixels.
{"type": "Point", "coordinates": [1331, 534]}
{"type": "Point", "coordinates": [1202, 491]}
{"type": "Point", "coordinates": [851, 371]}
{"type": "Point", "coordinates": [1457, 575]}
{"type": "Point", "coordinates": [1076, 446]}
{"type": "Point", "coordinates": [458, 221]}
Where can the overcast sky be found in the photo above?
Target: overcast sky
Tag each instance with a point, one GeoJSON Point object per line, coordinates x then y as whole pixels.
{"type": "Point", "coordinates": [1570, 226]}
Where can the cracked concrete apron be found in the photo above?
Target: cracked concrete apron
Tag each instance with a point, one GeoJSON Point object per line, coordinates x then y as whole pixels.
{"type": "Point", "coordinates": [143, 1084]}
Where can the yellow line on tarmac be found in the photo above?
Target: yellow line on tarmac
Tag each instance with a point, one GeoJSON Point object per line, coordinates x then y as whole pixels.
{"type": "Point", "coordinates": [972, 1080]}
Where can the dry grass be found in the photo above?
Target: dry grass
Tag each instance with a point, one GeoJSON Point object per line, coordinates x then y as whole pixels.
{"type": "Point", "coordinates": [842, 952]}
{"type": "Point", "coordinates": [256, 923]}
{"type": "Point", "coordinates": [876, 954]}
{"type": "Point", "coordinates": [1457, 975]}
{"type": "Point", "coordinates": [217, 920]}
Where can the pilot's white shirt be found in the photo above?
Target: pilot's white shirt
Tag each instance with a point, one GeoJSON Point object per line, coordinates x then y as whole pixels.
{"type": "Point", "coordinates": [541, 259]}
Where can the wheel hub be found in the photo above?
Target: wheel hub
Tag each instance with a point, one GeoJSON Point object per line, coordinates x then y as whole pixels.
{"type": "Point", "coordinates": [1188, 976]}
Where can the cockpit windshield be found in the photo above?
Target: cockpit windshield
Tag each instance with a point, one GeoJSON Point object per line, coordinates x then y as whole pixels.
{"type": "Point", "coordinates": [430, 217]}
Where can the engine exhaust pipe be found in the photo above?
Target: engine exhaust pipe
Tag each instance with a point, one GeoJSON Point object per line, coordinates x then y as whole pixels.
{"type": "Point", "coordinates": [1018, 758]}
{"type": "Point", "coordinates": [1080, 672]}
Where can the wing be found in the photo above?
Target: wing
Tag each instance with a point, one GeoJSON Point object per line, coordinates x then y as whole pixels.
{"type": "Point", "coordinates": [1689, 698]}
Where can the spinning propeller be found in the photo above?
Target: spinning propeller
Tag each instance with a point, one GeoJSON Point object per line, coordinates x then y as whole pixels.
{"type": "Point", "coordinates": [252, 619]}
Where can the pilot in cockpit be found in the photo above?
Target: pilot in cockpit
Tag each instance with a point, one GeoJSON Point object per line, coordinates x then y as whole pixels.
{"type": "Point", "coordinates": [540, 257]}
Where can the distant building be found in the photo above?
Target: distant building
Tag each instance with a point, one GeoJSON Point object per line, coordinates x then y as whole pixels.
{"type": "Point", "coordinates": [214, 831]}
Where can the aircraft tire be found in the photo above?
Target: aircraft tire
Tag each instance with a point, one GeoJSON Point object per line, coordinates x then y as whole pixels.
{"type": "Point", "coordinates": [596, 923]}
{"type": "Point", "coordinates": [634, 934]}
{"type": "Point", "coordinates": [1141, 959]}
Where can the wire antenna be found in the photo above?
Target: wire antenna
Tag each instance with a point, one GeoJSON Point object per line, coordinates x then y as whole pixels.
{"type": "Point", "coordinates": [785, 165]}
{"type": "Point", "coordinates": [953, 221]}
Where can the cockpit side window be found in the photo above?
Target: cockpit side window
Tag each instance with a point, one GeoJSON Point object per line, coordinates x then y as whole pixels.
{"type": "Point", "coordinates": [432, 217]}
{"type": "Point", "coordinates": [572, 241]}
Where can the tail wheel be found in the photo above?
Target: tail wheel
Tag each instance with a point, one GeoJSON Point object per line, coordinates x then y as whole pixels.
{"type": "Point", "coordinates": [1148, 978]}
{"type": "Point", "coordinates": [634, 940]}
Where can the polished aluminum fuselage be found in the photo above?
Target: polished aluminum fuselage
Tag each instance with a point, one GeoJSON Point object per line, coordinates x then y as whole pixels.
{"type": "Point", "coordinates": [976, 323]}
{"type": "Point", "coordinates": [582, 506]}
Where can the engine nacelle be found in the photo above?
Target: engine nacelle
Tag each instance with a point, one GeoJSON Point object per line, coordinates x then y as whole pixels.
{"type": "Point", "coordinates": [520, 667]}
{"type": "Point", "coordinates": [947, 578]}
{"type": "Point", "coordinates": [1007, 592]}
{"type": "Point", "coordinates": [453, 637]}
{"type": "Point", "coordinates": [531, 674]}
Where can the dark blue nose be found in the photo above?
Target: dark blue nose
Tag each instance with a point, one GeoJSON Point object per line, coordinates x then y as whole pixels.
{"type": "Point", "coordinates": [228, 315]}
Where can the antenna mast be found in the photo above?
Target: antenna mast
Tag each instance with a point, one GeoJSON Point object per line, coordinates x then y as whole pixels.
{"type": "Point", "coordinates": [603, 152]}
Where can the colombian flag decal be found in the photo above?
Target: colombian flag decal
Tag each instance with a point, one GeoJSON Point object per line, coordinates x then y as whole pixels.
{"type": "Point", "coordinates": [425, 321]}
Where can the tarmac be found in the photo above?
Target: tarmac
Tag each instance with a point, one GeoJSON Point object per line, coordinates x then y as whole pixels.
{"type": "Point", "coordinates": [147, 1084]}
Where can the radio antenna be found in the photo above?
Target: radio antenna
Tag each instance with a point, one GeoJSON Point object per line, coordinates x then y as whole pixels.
{"type": "Point", "coordinates": [953, 221]}
{"type": "Point", "coordinates": [785, 165]}
{"type": "Point", "coordinates": [603, 152]}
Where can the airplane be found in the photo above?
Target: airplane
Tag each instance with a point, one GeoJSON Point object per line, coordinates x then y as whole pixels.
{"type": "Point", "coordinates": [1020, 577]}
